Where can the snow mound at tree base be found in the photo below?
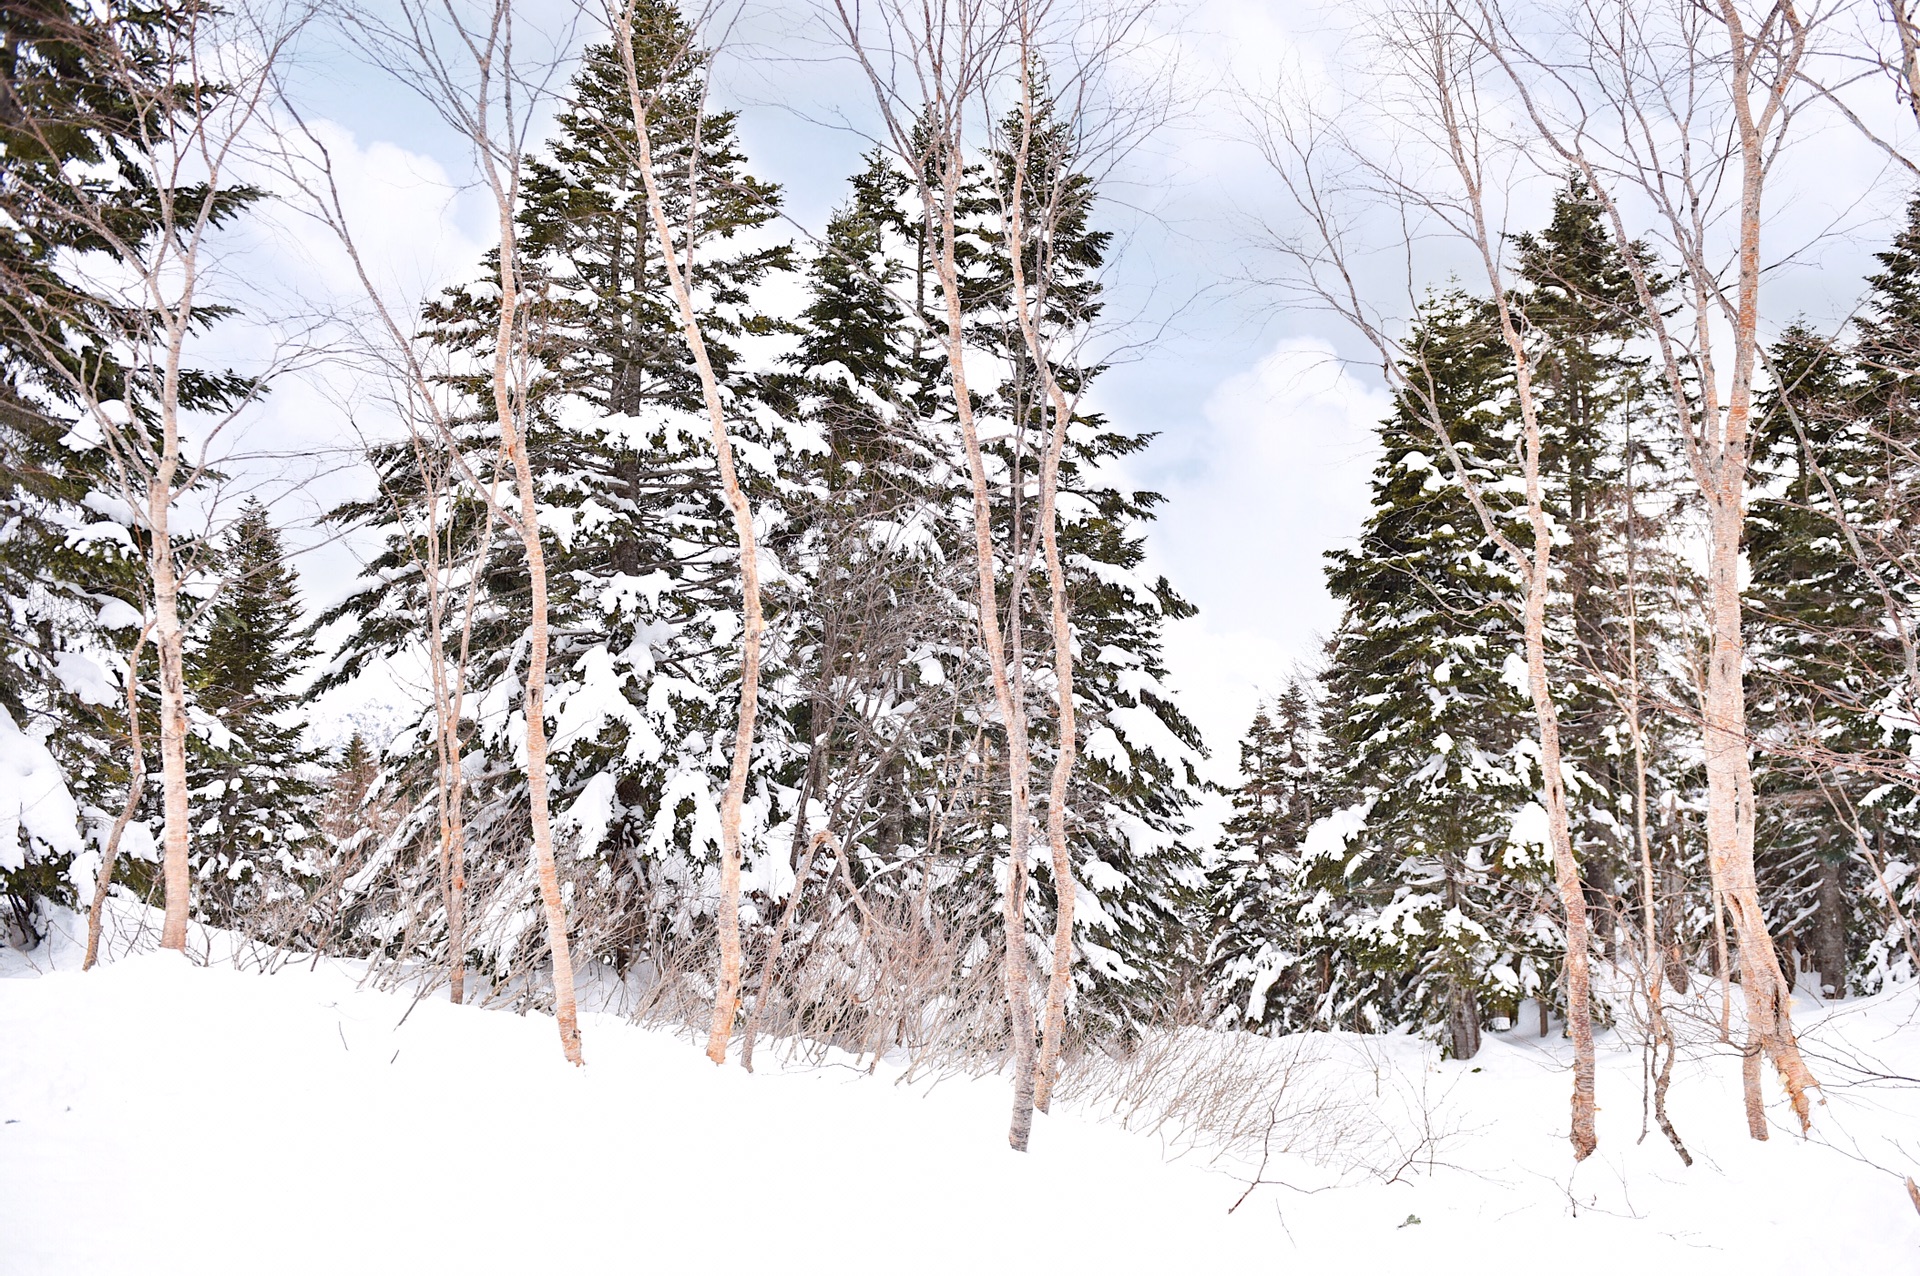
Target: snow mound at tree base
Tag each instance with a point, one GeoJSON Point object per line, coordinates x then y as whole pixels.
{"type": "Point", "coordinates": [159, 1116]}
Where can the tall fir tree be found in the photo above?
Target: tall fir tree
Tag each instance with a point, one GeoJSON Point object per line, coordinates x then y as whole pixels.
{"type": "Point", "coordinates": [643, 573]}
{"type": "Point", "coordinates": [1137, 775]}
{"type": "Point", "coordinates": [1256, 972]}
{"type": "Point", "coordinates": [1833, 569]}
{"type": "Point", "coordinates": [877, 386]}
{"type": "Point", "coordinates": [1609, 480]}
{"type": "Point", "coordinates": [255, 783]}
{"type": "Point", "coordinates": [1427, 888]}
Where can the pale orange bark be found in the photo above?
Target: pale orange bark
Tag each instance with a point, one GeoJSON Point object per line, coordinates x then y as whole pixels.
{"type": "Point", "coordinates": [1730, 814]}
{"type": "Point", "coordinates": [1060, 977]}
{"type": "Point", "coordinates": [726, 1001]}
{"type": "Point", "coordinates": [1766, 61]}
{"type": "Point", "coordinates": [448, 703]}
{"type": "Point", "coordinates": [1536, 567]}
{"type": "Point", "coordinates": [1012, 712]}
{"type": "Point", "coordinates": [949, 58]}
{"type": "Point", "coordinates": [169, 642]}
{"type": "Point", "coordinates": [513, 443]}
{"type": "Point", "coordinates": [186, 136]}
{"type": "Point", "coordinates": [136, 780]}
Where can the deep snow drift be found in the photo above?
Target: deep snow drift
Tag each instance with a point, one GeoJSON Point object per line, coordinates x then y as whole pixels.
{"type": "Point", "coordinates": [161, 1116]}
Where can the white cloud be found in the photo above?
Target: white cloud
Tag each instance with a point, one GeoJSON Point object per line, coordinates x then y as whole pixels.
{"type": "Point", "coordinates": [1274, 476]}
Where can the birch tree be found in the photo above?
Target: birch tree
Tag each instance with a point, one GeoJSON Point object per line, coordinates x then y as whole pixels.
{"type": "Point", "coordinates": [462, 62]}
{"type": "Point", "coordinates": [1436, 77]}
{"type": "Point", "coordinates": [929, 66]}
{"type": "Point", "coordinates": [189, 84]}
{"type": "Point", "coordinates": [726, 1002]}
{"type": "Point", "coordinates": [1685, 109]}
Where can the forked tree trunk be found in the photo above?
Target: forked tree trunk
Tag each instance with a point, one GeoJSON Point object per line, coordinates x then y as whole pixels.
{"type": "Point", "coordinates": [1015, 977]}
{"type": "Point", "coordinates": [726, 1000]}
{"type": "Point", "coordinates": [1060, 977]}
{"type": "Point", "coordinates": [136, 781]}
{"type": "Point", "coordinates": [1765, 991]}
{"type": "Point", "coordinates": [1722, 468]}
{"type": "Point", "coordinates": [1766, 63]}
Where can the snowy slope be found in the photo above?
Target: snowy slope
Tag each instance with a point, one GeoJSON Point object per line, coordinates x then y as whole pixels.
{"type": "Point", "coordinates": [161, 1116]}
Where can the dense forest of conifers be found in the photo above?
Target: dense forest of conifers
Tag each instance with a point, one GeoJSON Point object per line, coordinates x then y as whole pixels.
{"type": "Point", "coordinates": [794, 665]}
{"type": "Point", "coordinates": [1426, 893]}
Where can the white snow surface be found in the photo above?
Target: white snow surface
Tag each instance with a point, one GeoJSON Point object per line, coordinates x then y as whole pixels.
{"type": "Point", "coordinates": [166, 1114]}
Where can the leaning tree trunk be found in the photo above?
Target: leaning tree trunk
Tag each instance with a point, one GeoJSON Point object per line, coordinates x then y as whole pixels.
{"type": "Point", "coordinates": [1015, 978]}
{"type": "Point", "coordinates": [514, 443]}
{"type": "Point", "coordinates": [1536, 565]}
{"type": "Point", "coordinates": [726, 999]}
{"type": "Point", "coordinates": [136, 781]}
{"type": "Point", "coordinates": [1566, 870]}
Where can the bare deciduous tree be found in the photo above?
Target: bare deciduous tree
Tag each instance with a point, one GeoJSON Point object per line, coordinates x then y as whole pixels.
{"type": "Point", "coordinates": [136, 782]}
{"type": "Point", "coordinates": [1436, 66]}
{"type": "Point", "coordinates": [951, 52]}
{"type": "Point", "coordinates": [466, 69]}
{"type": "Point", "coordinates": [1679, 104]}
{"type": "Point", "coordinates": [195, 83]}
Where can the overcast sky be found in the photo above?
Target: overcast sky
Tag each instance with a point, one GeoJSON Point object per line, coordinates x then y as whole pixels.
{"type": "Point", "coordinates": [1263, 433]}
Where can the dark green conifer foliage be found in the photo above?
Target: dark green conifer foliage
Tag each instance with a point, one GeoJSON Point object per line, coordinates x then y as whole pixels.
{"type": "Point", "coordinates": [1829, 545]}
{"type": "Point", "coordinates": [254, 781]}
{"type": "Point", "coordinates": [1433, 913]}
{"type": "Point", "coordinates": [1595, 400]}
{"type": "Point", "coordinates": [642, 562]}
{"type": "Point", "coordinates": [1257, 969]}
{"type": "Point", "coordinates": [878, 385]}
{"type": "Point", "coordinates": [80, 97]}
{"type": "Point", "coordinates": [1139, 751]}
{"type": "Point", "coordinates": [854, 343]}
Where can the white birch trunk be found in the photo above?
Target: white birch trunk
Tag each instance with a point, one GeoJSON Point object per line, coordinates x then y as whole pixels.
{"type": "Point", "coordinates": [726, 1001]}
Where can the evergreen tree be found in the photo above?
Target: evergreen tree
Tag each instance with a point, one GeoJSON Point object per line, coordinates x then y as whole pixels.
{"type": "Point", "coordinates": [874, 380]}
{"type": "Point", "coordinates": [1427, 888]}
{"type": "Point", "coordinates": [1833, 703]}
{"type": "Point", "coordinates": [254, 781]}
{"type": "Point", "coordinates": [1255, 971]}
{"type": "Point", "coordinates": [1137, 775]}
{"type": "Point", "coordinates": [81, 100]}
{"type": "Point", "coordinates": [1608, 478]}
{"type": "Point", "coordinates": [643, 570]}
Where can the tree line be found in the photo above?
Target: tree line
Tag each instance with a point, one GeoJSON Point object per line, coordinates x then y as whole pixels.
{"type": "Point", "coordinates": [783, 654]}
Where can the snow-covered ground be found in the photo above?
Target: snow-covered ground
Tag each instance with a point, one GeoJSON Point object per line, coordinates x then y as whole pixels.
{"type": "Point", "coordinates": [157, 1115]}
